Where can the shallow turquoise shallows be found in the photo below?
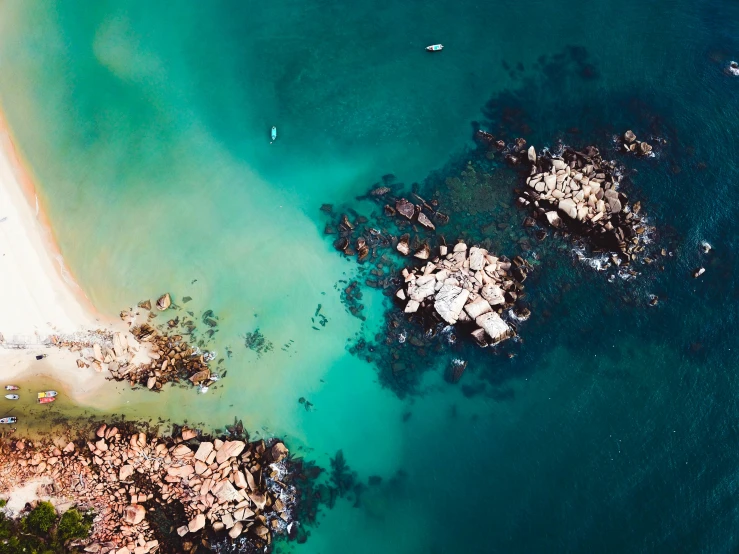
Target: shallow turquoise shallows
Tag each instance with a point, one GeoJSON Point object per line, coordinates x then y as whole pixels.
{"type": "Point", "coordinates": [147, 125]}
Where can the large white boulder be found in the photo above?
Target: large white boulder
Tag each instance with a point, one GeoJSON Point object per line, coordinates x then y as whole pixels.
{"type": "Point", "coordinates": [477, 308]}
{"type": "Point", "coordinates": [477, 258]}
{"type": "Point", "coordinates": [568, 206]}
{"type": "Point", "coordinates": [422, 288]}
{"type": "Point", "coordinates": [494, 326]}
{"type": "Point", "coordinates": [493, 294]}
{"type": "Point", "coordinates": [450, 301]}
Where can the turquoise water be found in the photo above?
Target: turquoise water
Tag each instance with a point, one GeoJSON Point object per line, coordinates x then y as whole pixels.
{"type": "Point", "coordinates": [614, 428]}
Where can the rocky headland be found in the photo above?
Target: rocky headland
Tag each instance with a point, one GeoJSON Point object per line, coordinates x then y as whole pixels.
{"type": "Point", "coordinates": [162, 494]}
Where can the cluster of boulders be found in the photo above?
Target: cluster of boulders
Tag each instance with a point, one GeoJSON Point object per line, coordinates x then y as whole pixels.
{"type": "Point", "coordinates": [579, 192]}
{"type": "Point", "coordinates": [631, 144]}
{"type": "Point", "coordinates": [489, 140]}
{"type": "Point", "coordinates": [469, 286]}
{"type": "Point", "coordinates": [356, 238]}
{"type": "Point", "coordinates": [223, 487]}
{"type": "Point", "coordinates": [404, 208]}
{"type": "Point", "coordinates": [143, 355]}
{"type": "Point", "coordinates": [171, 359]}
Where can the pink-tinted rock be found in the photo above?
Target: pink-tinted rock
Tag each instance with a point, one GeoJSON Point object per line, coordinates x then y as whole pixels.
{"type": "Point", "coordinates": [134, 514]}
{"type": "Point", "coordinates": [229, 449]}
{"type": "Point", "coordinates": [204, 451]}
{"type": "Point", "coordinates": [279, 452]}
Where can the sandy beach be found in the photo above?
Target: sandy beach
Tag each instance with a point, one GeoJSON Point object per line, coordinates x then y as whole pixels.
{"type": "Point", "coordinates": [38, 297]}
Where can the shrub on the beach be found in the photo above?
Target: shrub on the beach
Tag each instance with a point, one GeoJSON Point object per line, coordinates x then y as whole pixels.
{"type": "Point", "coordinates": [41, 519]}
{"type": "Point", "coordinates": [72, 526]}
{"type": "Point", "coordinates": [39, 532]}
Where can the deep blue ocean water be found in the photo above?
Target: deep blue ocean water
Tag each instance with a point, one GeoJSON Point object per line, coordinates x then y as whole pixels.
{"type": "Point", "coordinates": [614, 429]}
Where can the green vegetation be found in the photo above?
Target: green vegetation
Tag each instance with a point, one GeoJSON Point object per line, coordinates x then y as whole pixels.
{"type": "Point", "coordinates": [41, 519]}
{"type": "Point", "coordinates": [72, 526]}
{"type": "Point", "coordinates": [42, 531]}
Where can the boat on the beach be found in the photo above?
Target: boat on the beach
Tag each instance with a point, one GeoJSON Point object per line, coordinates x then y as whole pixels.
{"type": "Point", "coordinates": [11, 387]}
{"type": "Point", "coordinates": [46, 400]}
{"type": "Point", "coordinates": [12, 396]}
{"type": "Point", "coordinates": [47, 394]}
{"type": "Point", "coordinates": [435, 48]}
{"type": "Point", "coordinates": [8, 419]}
{"type": "Point", "coordinates": [274, 134]}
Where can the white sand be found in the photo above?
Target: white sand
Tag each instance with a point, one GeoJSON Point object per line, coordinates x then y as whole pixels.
{"type": "Point", "coordinates": [34, 298]}
{"type": "Point", "coordinates": [25, 492]}
{"type": "Point", "coordinates": [37, 295]}
{"type": "Point", "coordinates": [30, 491]}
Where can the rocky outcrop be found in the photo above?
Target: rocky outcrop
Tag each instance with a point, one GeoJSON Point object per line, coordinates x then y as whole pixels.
{"type": "Point", "coordinates": [403, 213]}
{"type": "Point", "coordinates": [578, 192]}
{"type": "Point", "coordinates": [242, 487]}
{"type": "Point", "coordinates": [470, 287]}
{"type": "Point", "coordinates": [164, 302]}
{"type": "Point", "coordinates": [144, 356]}
{"type": "Point", "coordinates": [634, 146]}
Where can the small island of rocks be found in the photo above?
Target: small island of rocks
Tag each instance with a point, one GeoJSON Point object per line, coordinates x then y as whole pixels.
{"type": "Point", "coordinates": [579, 192]}
{"type": "Point", "coordinates": [470, 287]}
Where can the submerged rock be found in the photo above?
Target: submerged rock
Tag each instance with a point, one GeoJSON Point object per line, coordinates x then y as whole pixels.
{"type": "Point", "coordinates": [425, 221]}
{"type": "Point", "coordinates": [405, 208]}
{"type": "Point", "coordinates": [423, 253]}
{"type": "Point", "coordinates": [403, 247]}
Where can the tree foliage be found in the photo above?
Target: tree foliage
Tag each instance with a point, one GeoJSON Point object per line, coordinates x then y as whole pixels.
{"type": "Point", "coordinates": [41, 519]}
{"type": "Point", "coordinates": [42, 531]}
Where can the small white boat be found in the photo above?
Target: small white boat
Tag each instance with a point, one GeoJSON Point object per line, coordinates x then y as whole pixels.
{"type": "Point", "coordinates": [11, 387]}
{"type": "Point", "coordinates": [435, 48]}
{"type": "Point", "coordinates": [274, 134]}
{"type": "Point", "coordinates": [8, 419]}
{"type": "Point", "coordinates": [47, 394]}
{"type": "Point", "coordinates": [12, 396]}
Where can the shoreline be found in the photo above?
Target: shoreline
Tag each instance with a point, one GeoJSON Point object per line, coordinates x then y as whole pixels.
{"type": "Point", "coordinates": [40, 296]}
{"type": "Point", "coordinates": [22, 177]}
{"type": "Point", "coordinates": [208, 487]}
